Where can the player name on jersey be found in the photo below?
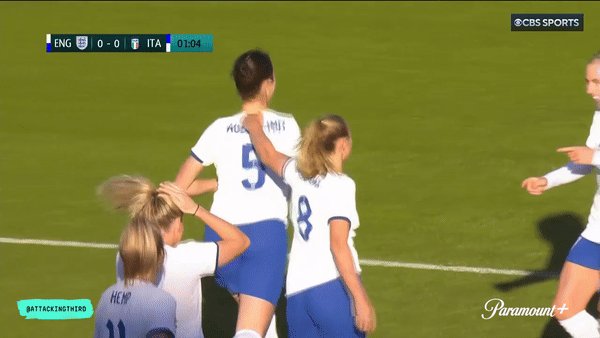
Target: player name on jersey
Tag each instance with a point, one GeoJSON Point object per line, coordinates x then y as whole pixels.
{"type": "Point", "coordinates": [275, 126]}
{"type": "Point", "coordinates": [120, 297]}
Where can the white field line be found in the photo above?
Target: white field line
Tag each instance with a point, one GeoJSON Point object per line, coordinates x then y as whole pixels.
{"type": "Point", "coordinates": [366, 262]}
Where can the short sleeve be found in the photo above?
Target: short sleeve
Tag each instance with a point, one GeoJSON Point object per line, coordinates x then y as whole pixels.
{"type": "Point", "coordinates": [342, 203]}
{"type": "Point", "coordinates": [289, 144]}
{"type": "Point", "coordinates": [205, 149]}
{"type": "Point", "coordinates": [163, 312]}
{"type": "Point", "coordinates": [289, 170]}
{"type": "Point", "coordinates": [200, 258]}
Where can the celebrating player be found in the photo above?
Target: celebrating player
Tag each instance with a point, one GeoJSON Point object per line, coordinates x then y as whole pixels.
{"type": "Point", "coordinates": [248, 195]}
{"type": "Point", "coordinates": [135, 307]}
{"type": "Point", "coordinates": [323, 265]}
{"type": "Point", "coordinates": [185, 262]}
{"type": "Point", "coordinates": [580, 276]}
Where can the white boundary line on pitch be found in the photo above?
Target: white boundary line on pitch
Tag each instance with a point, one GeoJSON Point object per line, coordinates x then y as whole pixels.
{"type": "Point", "coordinates": [367, 262]}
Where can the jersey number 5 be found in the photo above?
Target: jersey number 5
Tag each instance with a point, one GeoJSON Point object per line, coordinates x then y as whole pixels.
{"type": "Point", "coordinates": [255, 164]}
{"type": "Point", "coordinates": [304, 213]}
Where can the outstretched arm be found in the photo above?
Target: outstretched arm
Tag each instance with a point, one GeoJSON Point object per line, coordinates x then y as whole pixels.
{"type": "Point", "coordinates": [263, 146]}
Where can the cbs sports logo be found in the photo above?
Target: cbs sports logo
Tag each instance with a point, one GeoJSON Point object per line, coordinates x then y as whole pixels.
{"type": "Point", "coordinates": [546, 22]}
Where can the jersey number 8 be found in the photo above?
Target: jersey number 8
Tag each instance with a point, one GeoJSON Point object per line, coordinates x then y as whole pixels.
{"type": "Point", "coordinates": [304, 213]}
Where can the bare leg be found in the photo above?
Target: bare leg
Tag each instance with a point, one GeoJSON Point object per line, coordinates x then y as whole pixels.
{"type": "Point", "coordinates": [576, 286]}
{"type": "Point", "coordinates": [254, 314]}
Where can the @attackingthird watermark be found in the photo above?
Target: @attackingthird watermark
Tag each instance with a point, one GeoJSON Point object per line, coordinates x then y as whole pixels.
{"type": "Point", "coordinates": [495, 306]}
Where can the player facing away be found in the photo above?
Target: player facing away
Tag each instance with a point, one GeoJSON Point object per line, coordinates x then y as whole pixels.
{"type": "Point", "coordinates": [248, 194]}
{"type": "Point", "coordinates": [580, 274]}
{"type": "Point", "coordinates": [185, 263]}
{"type": "Point", "coordinates": [325, 295]}
{"type": "Point", "coordinates": [135, 307]}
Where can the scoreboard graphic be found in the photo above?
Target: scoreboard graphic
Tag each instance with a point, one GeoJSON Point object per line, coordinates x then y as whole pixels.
{"type": "Point", "coordinates": [128, 43]}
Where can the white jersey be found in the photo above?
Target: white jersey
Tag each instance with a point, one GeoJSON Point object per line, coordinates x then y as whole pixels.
{"type": "Point", "coordinates": [247, 192]}
{"type": "Point", "coordinates": [183, 268]}
{"type": "Point", "coordinates": [134, 311]}
{"type": "Point", "coordinates": [572, 172]}
{"type": "Point", "coordinates": [315, 203]}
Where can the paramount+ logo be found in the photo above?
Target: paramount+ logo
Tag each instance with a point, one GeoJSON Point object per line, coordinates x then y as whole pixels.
{"type": "Point", "coordinates": [546, 22]}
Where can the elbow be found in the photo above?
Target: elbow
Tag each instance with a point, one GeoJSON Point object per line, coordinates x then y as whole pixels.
{"type": "Point", "coordinates": [245, 243]}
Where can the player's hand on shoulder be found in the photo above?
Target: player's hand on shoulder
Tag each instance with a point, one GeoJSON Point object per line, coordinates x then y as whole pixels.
{"type": "Point", "coordinates": [535, 185]}
{"type": "Point", "coordinates": [184, 202]}
{"type": "Point", "coordinates": [579, 154]}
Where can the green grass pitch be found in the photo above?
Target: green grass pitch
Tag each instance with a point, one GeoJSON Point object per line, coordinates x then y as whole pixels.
{"type": "Point", "coordinates": [449, 111]}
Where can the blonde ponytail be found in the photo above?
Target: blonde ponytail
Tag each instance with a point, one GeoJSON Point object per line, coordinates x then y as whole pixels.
{"type": "Point", "coordinates": [138, 197]}
{"type": "Point", "coordinates": [318, 143]}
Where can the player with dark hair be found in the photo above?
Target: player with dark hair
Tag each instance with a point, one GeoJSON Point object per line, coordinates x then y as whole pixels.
{"type": "Point", "coordinates": [248, 195]}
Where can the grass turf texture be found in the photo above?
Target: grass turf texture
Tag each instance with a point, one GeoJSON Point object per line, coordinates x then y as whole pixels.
{"type": "Point", "coordinates": [449, 112]}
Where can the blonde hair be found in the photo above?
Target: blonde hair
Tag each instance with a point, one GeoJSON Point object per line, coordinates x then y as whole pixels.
{"type": "Point", "coordinates": [141, 249]}
{"type": "Point", "coordinates": [318, 143]}
{"type": "Point", "coordinates": [138, 196]}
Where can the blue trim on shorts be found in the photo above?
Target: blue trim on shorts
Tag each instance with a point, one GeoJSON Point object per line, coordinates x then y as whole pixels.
{"type": "Point", "coordinates": [260, 270]}
{"type": "Point", "coordinates": [585, 253]}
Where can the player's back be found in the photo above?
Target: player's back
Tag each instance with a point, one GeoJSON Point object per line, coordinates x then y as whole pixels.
{"type": "Point", "coordinates": [315, 203]}
{"type": "Point", "coordinates": [247, 191]}
{"type": "Point", "coordinates": [134, 311]}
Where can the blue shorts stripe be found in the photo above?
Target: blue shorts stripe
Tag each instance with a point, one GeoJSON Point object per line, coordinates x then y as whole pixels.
{"type": "Point", "coordinates": [585, 253]}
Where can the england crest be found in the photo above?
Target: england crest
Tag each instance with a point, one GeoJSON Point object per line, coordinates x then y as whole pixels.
{"type": "Point", "coordinates": [135, 44]}
{"type": "Point", "coordinates": [82, 42]}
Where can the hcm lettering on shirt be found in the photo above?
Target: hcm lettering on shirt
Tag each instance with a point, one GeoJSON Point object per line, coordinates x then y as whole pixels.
{"type": "Point", "coordinates": [276, 126]}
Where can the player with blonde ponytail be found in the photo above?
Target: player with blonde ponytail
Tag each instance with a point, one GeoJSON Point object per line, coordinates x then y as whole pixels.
{"type": "Point", "coordinates": [134, 306]}
{"type": "Point", "coordinates": [185, 263]}
{"type": "Point", "coordinates": [325, 294]}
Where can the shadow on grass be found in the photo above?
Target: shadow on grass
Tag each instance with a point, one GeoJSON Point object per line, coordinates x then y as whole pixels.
{"type": "Point", "coordinates": [561, 231]}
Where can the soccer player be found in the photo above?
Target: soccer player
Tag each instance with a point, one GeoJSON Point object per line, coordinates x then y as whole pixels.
{"type": "Point", "coordinates": [185, 263]}
{"type": "Point", "coordinates": [325, 295]}
{"type": "Point", "coordinates": [248, 195]}
{"type": "Point", "coordinates": [580, 276]}
{"type": "Point", "coordinates": [135, 307]}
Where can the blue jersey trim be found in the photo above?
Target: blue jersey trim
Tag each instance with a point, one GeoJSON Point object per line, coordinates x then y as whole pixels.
{"type": "Point", "coordinates": [196, 157]}
{"type": "Point", "coordinates": [340, 218]}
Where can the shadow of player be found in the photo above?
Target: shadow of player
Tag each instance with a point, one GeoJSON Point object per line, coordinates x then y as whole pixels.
{"type": "Point", "coordinates": [561, 231]}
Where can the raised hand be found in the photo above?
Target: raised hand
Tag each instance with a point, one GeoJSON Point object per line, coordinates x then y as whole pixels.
{"type": "Point", "coordinates": [184, 202]}
{"type": "Point", "coordinates": [578, 155]}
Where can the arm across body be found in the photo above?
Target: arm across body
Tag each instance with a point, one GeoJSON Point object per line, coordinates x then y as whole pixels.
{"type": "Point", "coordinates": [263, 146]}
